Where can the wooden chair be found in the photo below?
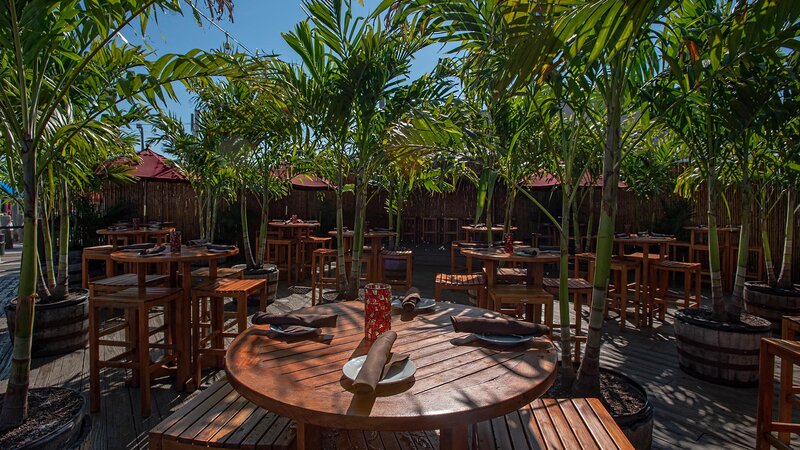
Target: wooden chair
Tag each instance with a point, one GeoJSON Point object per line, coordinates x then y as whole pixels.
{"type": "Point", "coordinates": [97, 253]}
{"type": "Point", "coordinates": [279, 252]}
{"type": "Point", "coordinates": [455, 250]}
{"type": "Point", "coordinates": [208, 336]}
{"type": "Point", "coordinates": [580, 259]}
{"type": "Point", "coordinates": [579, 289]}
{"type": "Point", "coordinates": [532, 299]}
{"type": "Point", "coordinates": [766, 427]}
{"type": "Point", "coordinates": [430, 230]}
{"type": "Point", "coordinates": [137, 304]}
{"type": "Point", "coordinates": [473, 284]}
{"type": "Point", "coordinates": [450, 227]}
{"type": "Point", "coordinates": [323, 261]}
{"type": "Point", "coordinates": [409, 232]}
{"type": "Point", "coordinates": [662, 297]}
{"type": "Point", "coordinates": [392, 277]}
{"type": "Point", "coordinates": [790, 327]}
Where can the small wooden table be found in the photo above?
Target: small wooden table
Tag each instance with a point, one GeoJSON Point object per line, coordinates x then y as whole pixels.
{"type": "Point", "coordinates": [459, 380]}
{"type": "Point", "coordinates": [492, 257]}
{"type": "Point", "coordinates": [184, 259]}
{"type": "Point", "coordinates": [375, 242]}
{"type": "Point", "coordinates": [139, 236]}
{"type": "Point", "coordinates": [645, 242]}
{"type": "Point", "coordinates": [471, 231]}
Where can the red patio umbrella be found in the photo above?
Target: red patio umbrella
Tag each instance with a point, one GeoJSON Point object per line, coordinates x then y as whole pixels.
{"type": "Point", "coordinates": [309, 182]}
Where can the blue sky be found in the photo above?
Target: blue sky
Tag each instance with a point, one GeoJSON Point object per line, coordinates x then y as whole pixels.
{"type": "Point", "coordinates": [257, 24]}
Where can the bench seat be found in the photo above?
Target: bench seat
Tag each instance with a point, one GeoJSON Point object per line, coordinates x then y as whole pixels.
{"type": "Point", "coordinates": [220, 418]}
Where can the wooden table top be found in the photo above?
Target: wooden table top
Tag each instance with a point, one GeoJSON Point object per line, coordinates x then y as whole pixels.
{"type": "Point", "coordinates": [133, 232]}
{"type": "Point", "coordinates": [719, 229]}
{"type": "Point", "coordinates": [459, 380]}
{"type": "Point", "coordinates": [283, 224]}
{"type": "Point", "coordinates": [498, 254]}
{"type": "Point", "coordinates": [367, 234]}
{"type": "Point", "coordinates": [636, 239]}
{"type": "Point", "coordinates": [200, 253]}
{"type": "Point", "coordinates": [495, 229]}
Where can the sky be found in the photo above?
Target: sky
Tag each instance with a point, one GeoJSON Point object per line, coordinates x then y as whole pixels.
{"type": "Point", "coordinates": [257, 24]}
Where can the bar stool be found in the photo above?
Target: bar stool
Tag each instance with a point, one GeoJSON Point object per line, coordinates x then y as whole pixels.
{"type": "Point", "coordinates": [581, 258]}
{"type": "Point", "coordinates": [430, 230]}
{"type": "Point", "coordinates": [97, 253]}
{"type": "Point", "coordinates": [473, 284]}
{"type": "Point", "coordinates": [393, 277]}
{"type": "Point", "coordinates": [409, 231]}
{"type": "Point", "coordinates": [532, 299]}
{"type": "Point", "coordinates": [208, 334]}
{"type": "Point", "coordinates": [307, 247]}
{"type": "Point", "coordinates": [120, 282]}
{"type": "Point", "coordinates": [620, 292]}
{"type": "Point", "coordinates": [662, 297]}
{"type": "Point", "coordinates": [203, 274]}
{"type": "Point", "coordinates": [450, 229]}
{"type": "Point", "coordinates": [323, 261]}
{"type": "Point", "coordinates": [579, 289]}
{"type": "Point", "coordinates": [282, 257]}
{"type": "Point", "coordinates": [366, 266]}
{"type": "Point", "coordinates": [137, 304]}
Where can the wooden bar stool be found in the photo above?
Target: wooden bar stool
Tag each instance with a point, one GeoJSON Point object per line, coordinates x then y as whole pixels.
{"type": "Point", "coordinates": [579, 289]}
{"type": "Point", "coordinates": [409, 232]}
{"type": "Point", "coordinates": [208, 334]}
{"type": "Point", "coordinates": [662, 297]}
{"type": "Point", "coordinates": [97, 253]}
{"type": "Point", "coordinates": [279, 252]}
{"type": "Point", "coordinates": [120, 282]}
{"type": "Point", "coordinates": [532, 299]}
{"type": "Point", "coordinates": [430, 230]}
{"type": "Point", "coordinates": [137, 304]}
{"type": "Point", "coordinates": [580, 259]}
{"type": "Point", "coordinates": [450, 227]}
{"type": "Point", "coordinates": [473, 284]}
{"type": "Point", "coordinates": [366, 266]}
{"type": "Point", "coordinates": [307, 247]}
{"type": "Point", "coordinates": [393, 276]}
{"type": "Point", "coordinates": [625, 290]}
{"type": "Point", "coordinates": [323, 261]}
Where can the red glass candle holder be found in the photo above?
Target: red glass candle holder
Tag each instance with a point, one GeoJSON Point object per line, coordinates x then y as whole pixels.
{"type": "Point", "coordinates": [509, 243]}
{"type": "Point", "coordinates": [377, 310]}
{"type": "Point", "coordinates": [175, 241]}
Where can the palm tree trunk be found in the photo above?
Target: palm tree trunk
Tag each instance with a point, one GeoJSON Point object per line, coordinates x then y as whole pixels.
{"type": "Point", "coordinates": [509, 210]}
{"type": "Point", "coordinates": [734, 308]}
{"type": "Point", "coordinates": [248, 252]}
{"type": "Point", "coordinates": [61, 288]}
{"type": "Point", "coordinates": [587, 383]}
{"type": "Point", "coordinates": [358, 239]}
{"type": "Point", "coordinates": [717, 300]}
{"type": "Point", "coordinates": [568, 372]}
{"type": "Point", "coordinates": [769, 267]}
{"type": "Point", "coordinates": [48, 248]}
{"type": "Point", "coordinates": [263, 227]}
{"type": "Point", "coordinates": [15, 403]}
{"type": "Point", "coordinates": [785, 278]}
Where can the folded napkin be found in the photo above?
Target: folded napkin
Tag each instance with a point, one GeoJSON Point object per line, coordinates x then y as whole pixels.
{"type": "Point", "coordinates": [291, 319]}
{"type": "Point", "coordinates": [620, 235]}
{"type": "Point", "coordinates": [382, 229]}
{"type": "Point", "coordinates": [220, 247]}
{"type": "Point", "coordinates": [502, 327]}
{"type": "Point", "coordinates": [197, 242]}
{"type": "Point", "coordinates": [153, 250]}
{"type": "Point", "coordinates": [377, 364]}
{"type": "Point", "coordinates": [131, 247]}
{"type": "Point", "coordinates": [117, 228]}
{"type": "Point", "coordinates": [409, 303]}
{"type": "Point", "coordinates": [660, 235]}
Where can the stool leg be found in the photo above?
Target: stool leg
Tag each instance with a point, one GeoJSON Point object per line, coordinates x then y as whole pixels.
{"type": "Point", "coordinates": [197, 364]}
{"type": "Point", "coordinates": [437, 292]}
{"type": "Point", "coordinates": [143, 357]}
{"type": "Point", "coordinates": [687, 289]}
{"type": "Point", "coordinates": [218, 325]}
{"type": "Point", "coordinates": [132, 337]}
{"type": "Point", "coordinates": [241, 312]}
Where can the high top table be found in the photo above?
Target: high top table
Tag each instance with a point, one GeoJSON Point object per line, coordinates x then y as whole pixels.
{"type": "Point", "coordinates": [138, 235]}
{"type": "Point", "coordinates": [459, 380]}
{"type": "Point", "coordinates": [184, 259]}
{"type": "Point", "coordinates": [645, 242]}
{"type": "Point", "coordinates": [472, 231]}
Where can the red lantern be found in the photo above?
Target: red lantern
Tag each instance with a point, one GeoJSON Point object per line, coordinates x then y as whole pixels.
{"type": "Point", "coordinates": [509, 243]}
{"type": "Point", "coordinates": [377, 310]}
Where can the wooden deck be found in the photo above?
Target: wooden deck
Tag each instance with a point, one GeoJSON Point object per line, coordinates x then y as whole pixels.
{"type": "Point", "coordinates": [689, 413]}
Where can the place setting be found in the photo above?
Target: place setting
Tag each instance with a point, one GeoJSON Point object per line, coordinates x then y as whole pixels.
{"type": "Point", "coordinates": [379, 367]}
{"type": "Point", "coordinates": [295, 325]}
{"type": "Point", "coordinates": [497, 331]}
{"type": "Point", "coordinates": [412, 302]}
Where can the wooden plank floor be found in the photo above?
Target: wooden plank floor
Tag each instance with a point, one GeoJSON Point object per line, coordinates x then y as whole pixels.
{"type": "Point", "coordinates": [689, 413]}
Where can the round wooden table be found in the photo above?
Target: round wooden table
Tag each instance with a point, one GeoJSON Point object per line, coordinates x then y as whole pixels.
{"type": "Point", "coordinates": [459, 380]}
{"type": "Point", "coordinates": [184, 259]}
{"type": "Point", "coordinates": [492, 257]}
{"type": "Point", "coordinates": [139, 236]}
{"type": "Point", "coordinates": [375, 239]}
{"type": "Point", "coordinates": [292, 230]}
{"type": "Point", "coordinates": [470, 231]}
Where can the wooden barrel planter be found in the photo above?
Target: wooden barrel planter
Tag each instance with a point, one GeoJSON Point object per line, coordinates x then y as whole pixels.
{"type": "Point", "coordinates": [719, 352]}
{"type": "Point", "coordinates": [58, 420]}
{"type": "Point", "coordinates": [267, 272]}
{"type": "Point", "coordinates": [59, 327]}
{"type": "Point", "coordinates": [637, 425]}
{"type": "Point", "coordinates": [771, 303]}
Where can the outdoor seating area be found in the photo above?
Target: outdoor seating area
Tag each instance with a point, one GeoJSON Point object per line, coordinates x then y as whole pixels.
{"type": "Point", "coordinates": [456, 225]}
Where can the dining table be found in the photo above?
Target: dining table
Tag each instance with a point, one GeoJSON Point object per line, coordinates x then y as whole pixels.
{"type": "Point", "coordinates": [183, 259]}
{"type": "Point", "coordinates": [459, 379]}
{"type": "Point", "coordinates": [293, 230]}
{"type": "Point", "coordinates": [471, 232]}
{"type": "Point", "coordinates": [137, 235]}
{"type": "Point", "coordinates": [645, 242]}
{"type": "Point", "coordinates": [375, 239]}
{"type": "Point", "coordinates": [493, 257]}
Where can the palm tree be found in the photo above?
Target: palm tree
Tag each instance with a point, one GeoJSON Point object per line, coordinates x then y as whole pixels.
{"type": "Point", "coordinates": [49, 47]}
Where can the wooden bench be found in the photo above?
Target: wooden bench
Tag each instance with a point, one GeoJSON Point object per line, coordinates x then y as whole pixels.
{"type": "Point", "coordinates": [220, 418]}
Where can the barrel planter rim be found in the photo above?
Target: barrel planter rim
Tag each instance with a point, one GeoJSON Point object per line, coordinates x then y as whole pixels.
{"type": "Point", "coordinates": [647, 409]}
{"type": "Point", "coordinates": [694, 316]}
{"type": "Point", "coordinates": [79, 295]}
{"type": "Point", "coordinates": [44, 346]}
{"type": "Point", "coordinates": [73, 428]}
{"type": "Point", "coordinates": [761, 287]}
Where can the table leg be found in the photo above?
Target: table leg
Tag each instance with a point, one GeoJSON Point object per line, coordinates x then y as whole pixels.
{"type": "Point", "coordinates": [219, 340]}
{"type": "Point", "coordinates": [456, 438]}
{"type": "Point", "coordinates": [309, 437]}
{"type": "Point", "coordinates": [183, 326]}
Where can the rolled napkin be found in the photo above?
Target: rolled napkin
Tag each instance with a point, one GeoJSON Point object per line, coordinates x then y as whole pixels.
{"type": "Point", "coordinates": [291, 319]}
{"type": "Point", "coordinates": [117, 228]}
{"type": "Point", "coordinates": [197, 242]}
{"type": "Point", "coordinates": [663, 235]}
{"type": "Point", "coordinates": [377, 364]}
{"type": "Point", "coordinates": [153, 250]}
{"type": "Point", "coordinates": [620, 235]}
{"type": "Point", "coordinates": [501, 327]}
{"type": "Point", "coordinates": [409, 303]}
{"type": "Point", "coordinates": [131, 247]}
{"type": "Point", "coordinates": [220, 247]}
